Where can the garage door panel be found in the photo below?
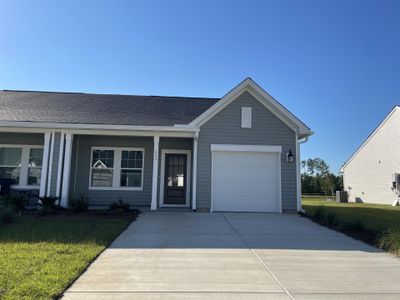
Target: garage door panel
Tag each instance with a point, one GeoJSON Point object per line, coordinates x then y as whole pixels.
{"type": "Point", "coordinates": [246, 181]}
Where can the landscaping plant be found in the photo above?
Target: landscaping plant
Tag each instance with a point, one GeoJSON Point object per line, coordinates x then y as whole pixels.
{"type": "Point", "coordinates": [79, 203]}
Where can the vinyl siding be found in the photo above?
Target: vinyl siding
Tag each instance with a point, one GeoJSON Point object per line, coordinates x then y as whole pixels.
{"type": "Point", "coordinates": [368, 175]}
{"type": "Point", "coordinates": [12, 138]}
{"type": "Point", "coordinates": [80, 169]}
{"type": "Point", "coordinates": [267, 129]}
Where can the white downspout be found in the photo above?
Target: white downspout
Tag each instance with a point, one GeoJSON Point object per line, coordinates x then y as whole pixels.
{"type": "Point", "coordinates": [298, 182]}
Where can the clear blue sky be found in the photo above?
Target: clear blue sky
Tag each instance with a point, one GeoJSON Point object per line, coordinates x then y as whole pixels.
{"type": "Point", "coordinates": [335, 64]}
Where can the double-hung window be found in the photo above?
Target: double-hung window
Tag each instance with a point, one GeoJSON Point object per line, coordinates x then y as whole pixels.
{"type": "Point", "coordinates": [117, 168]}
{"type": "Point", "coordinates": [21, 164]}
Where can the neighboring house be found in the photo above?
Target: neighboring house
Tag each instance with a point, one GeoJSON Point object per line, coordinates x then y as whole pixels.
{"type": "Point", "coordinates": [367, 175]}
{"type": "Point", "coordinates": [236, 153]}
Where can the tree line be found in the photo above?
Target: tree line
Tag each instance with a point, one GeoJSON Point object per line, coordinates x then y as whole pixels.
{"type": "Point", "coordinates": [316, 178]}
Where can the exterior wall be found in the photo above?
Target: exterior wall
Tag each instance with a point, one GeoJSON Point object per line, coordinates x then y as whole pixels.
{"type": "Point", "coordinates": [12, 138]}
{"type": "Point", "coordinates": [368, 175]}
{"type": "Point", "coordinates": [175, 144]}
{"type": "Point", "coordinates": [80, 169]}
{"type": "Point", "coordinates": [267, 129]}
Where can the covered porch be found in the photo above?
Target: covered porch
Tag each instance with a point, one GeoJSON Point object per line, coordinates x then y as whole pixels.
{"type": "Point", "coordinates": [146, 169]}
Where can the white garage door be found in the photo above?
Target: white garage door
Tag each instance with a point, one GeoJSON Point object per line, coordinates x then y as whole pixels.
{"type": "Point", "coordinates": [246, 181]}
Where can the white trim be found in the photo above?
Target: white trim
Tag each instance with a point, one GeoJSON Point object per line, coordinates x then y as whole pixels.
{"type": "Point", "coordinates": [298, 160]}
{"type": "Point", "coordinates": [156, 147]}
{"type": "Point", "coordinates": [45, 164]}
{"type": "Point", "coordinates": [188, 175]}
{"type": "Point", "coordinates": [194, 175]}
{"type": "Point", "coordinates": [24, 167]}
{"type": "Point", "coordinates": [369, 138]}
{"type": "Point", "coordinates": [60, 164]}
{"type": "Point", "coordinates": [66, 170]}
{"type": "Point", "coordinates": [50, 167]}
{"type": "Point", "coordinates": [263, 97]}
{"type": "Point", "coordinates": [116, 169]}
{"type": "Point", "coordinates": [245, 148]}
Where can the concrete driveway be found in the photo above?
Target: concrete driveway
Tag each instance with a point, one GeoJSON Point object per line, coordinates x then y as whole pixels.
{"type": "Point", "coordinates": [178, 255]}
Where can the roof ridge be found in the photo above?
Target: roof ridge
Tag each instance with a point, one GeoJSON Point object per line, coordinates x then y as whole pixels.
{"type": "Point", "coordinates": [105, 94]}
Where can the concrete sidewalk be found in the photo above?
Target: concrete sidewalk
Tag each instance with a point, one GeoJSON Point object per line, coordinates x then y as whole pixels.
{"type": "Point", "coordinates": [183, 255]}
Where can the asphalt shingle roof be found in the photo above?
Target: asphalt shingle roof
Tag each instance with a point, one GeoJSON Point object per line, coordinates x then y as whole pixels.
{"type": "Point", "coordinates": [82, 108]}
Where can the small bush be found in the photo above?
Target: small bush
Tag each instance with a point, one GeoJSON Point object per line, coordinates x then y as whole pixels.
{"type": "Point", "coordinates": [390, 241]}
{"type": "Point", "coordinates": [331, 220]}
{"type": "Point", "coordinates": [353, 225]}
{"type": "Point", "coordinates": [48, 201]}
{"type": "Point", "coordinates": [7, 214]}
{"type": "Point", "coordinates": [119, 205]}
{"type": "Point", "coordinates": [79, 203]}
{"type": "Point", "coordinates": [16, 201]}
{"type": "Point", "coordinates": [319, 214]}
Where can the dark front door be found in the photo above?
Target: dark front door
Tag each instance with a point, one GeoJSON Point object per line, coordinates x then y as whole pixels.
{"type": "Point", "coordinates": [175, 179]}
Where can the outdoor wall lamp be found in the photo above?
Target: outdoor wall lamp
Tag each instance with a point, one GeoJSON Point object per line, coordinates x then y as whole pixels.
{"type": "Point", "coordinates": [290, 156]}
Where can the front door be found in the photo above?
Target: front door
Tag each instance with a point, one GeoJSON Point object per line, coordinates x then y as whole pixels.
{"type": "Point", "coordinates": [175, 179]}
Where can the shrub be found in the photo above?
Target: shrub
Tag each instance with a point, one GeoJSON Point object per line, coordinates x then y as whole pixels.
{"type": "Point", "coordinates": [7, 213]}
{"type": "Point", "coordinates": [119, 205]}
{"type": "Point", "coordinates": [16, 201]}
{"type": "Point", "coordinates": [353, 225]}
{"type": "Point", "coordinates": [331, 220]}
{"type": "Point", "coordinates": [79, 203]}
{"type": "Point", "coordinates": [390, 241]}
{"type": "Point", "coordinates": [48, 201]}
{"type": "Point", "coordinates": [319, 214]}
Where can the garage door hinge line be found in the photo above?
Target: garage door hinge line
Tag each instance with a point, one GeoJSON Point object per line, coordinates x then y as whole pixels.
{"type": "Point", "coordinates": [259, 258]}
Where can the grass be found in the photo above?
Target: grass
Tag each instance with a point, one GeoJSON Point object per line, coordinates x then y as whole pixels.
{"type": "Point", "coordinates": [40, 256]}
{"type": "Point", "coordinates": [376, 224]}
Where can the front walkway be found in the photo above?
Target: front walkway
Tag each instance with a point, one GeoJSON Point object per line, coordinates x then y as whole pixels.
{"type": "Point", "coordinates": [182, 255]}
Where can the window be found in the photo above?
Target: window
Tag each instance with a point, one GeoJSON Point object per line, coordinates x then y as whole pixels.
{"type": "Point", "coordinates": [35, 166]}
{"type": "Point", "coordinates": [102, 168]}
{"type": "Point", "coordinates": [131, 168]}
{"type": "Point", "coordinates": [246, 117]}
{"type": "Point", "coordinates": [21, 164]}
{"type": "Point", "coordinates": [117, 168]}
{"type": "Point", "coordinates": [10, 164]}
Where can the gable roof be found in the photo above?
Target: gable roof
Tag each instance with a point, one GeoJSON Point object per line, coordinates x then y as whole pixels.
{"type": "Point", "coordinates": [264, 98]}
{"type": "Point", "coordinates": [369, 137]}
{"type": "Point", "coordinates": [82, 108]}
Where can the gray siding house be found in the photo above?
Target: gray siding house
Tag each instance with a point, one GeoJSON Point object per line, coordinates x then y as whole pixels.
{"type": "Point", "coordinates": [237, 153]}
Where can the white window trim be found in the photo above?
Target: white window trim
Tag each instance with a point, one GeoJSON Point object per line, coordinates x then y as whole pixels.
{"type": "Point", "coordinates": [116, 170]}
{"type": "Point", "coordinates": [23, 175]}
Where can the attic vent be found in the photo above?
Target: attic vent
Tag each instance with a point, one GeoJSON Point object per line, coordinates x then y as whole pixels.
{"type": "Point", "coordinates": [246, 117]}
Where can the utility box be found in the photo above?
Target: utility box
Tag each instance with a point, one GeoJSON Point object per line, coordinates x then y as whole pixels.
{"type": "Point", "coordinates": [342, 196]}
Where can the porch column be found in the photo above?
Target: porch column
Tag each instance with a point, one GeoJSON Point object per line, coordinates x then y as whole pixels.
{"type": "Point", "coordinates": [60, 165]}
{"type": "Point", "coordinates": [194, 176]}
{"type": "Point", "coordinates": [45, 164]}
{"type": "Point", "coordinates": [155, 173]}
{"type": "Point", "coordinates": [67, 169]}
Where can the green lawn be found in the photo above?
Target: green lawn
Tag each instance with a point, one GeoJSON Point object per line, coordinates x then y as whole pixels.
{"type": "Point", "coordinates": [40, 256]}
{"type": "Point", "coordinates": [376, 224]}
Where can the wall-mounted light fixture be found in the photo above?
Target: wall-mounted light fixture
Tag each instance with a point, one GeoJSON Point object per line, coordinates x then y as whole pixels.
{"type": "Point", "coordinates": [290, 156]}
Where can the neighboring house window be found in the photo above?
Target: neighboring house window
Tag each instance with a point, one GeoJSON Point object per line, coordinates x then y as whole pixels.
{"type": "Point", "coordinates": [21, 164]}
{"type": "Point", "coordinates": [117, 168]}
{"type": "Point", "coordinates": [246, 117]}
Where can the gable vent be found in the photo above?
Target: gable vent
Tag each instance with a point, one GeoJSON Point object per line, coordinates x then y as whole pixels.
{"type": "Point", "coordinates": [246, 117]}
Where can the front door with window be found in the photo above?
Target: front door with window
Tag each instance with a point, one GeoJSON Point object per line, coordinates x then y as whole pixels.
{"type": "Point", "coordinates": [175, 179]}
